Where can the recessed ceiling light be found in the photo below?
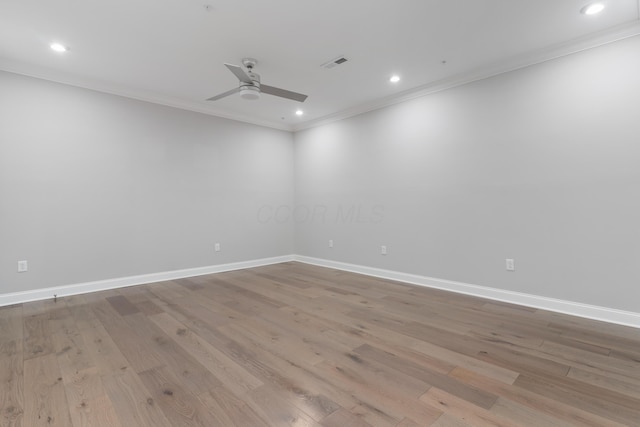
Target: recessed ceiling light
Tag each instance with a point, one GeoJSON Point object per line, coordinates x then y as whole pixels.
{"type": "Point", "coordinates": [395, 78]}
{"type": "Point", "coordinates": [592, 9]}
{"type": "Point", "coordinates": [299, 112]}
{"type": "Point", "coordinates": [59, 47]}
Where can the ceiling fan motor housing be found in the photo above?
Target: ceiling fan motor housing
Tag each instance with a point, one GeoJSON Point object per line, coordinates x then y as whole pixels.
{"type": "Point", "coordinates": [250, 91]}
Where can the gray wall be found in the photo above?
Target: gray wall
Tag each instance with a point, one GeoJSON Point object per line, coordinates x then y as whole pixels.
{"type": "Point", "coordinates": [95, 186]}
{"type": "Point", "coordinates": [540, 164]}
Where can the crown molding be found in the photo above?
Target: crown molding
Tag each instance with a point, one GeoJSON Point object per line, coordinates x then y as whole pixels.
{"type": "Point", "coordinates": [620, 32]}
{"type": "Point", "coordinates": [590, 41]}
{"type": "Point", "coordinates": [129, 92]}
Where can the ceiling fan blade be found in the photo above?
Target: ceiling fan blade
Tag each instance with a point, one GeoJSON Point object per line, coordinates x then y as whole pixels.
{"type": "Point", "coordinates": [222, 95]}
{"type": "Point", "coordinates": [282, 93]}
{"type": "Point", "coordinates": [239, 73]}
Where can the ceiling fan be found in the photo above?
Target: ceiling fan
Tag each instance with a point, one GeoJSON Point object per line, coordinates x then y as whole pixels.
{"type": "Point", "coordinates": [250, 86]}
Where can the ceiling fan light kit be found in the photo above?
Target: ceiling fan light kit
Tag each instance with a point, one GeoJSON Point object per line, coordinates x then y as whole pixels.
{"type": "Point", "coordinates": [249, 84]}
{"type": "Point", "coordinates": [252, 93]}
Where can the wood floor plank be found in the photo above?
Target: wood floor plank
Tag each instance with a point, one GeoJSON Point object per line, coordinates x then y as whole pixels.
{"type": "Point", "coordinates": [463, 410]}
{"type": "Point", "coordinates": [524, 415]}
{"type": "Point", "coordinates": [302, 345]}
{"type": "Point", "coordinates": [628, 388]}
{"type": "Point", "coordinates": [407, 422]}
{"type": "Point", "coordinates": [179, 405]}
{"type": "Point", "coordinates": [11, 366]}
{"type": "Point", "coordinates": [372, 333]}
{"type": "Point", "coordinates": [271, 337]}
{"type": "Point", "coordinates": [448, 420]}
{"type": "Point", "coordinates": [582, 357]}
{"type": "Point", "coordinates": [578, 356]}
{"type": "Point", "coordinates": [508, 358]}
{"type": "Point", "coordinates": [11, 331]}
{"type": "Point", "coordinates": [316, 406]}
{"type": "Point", "coordinates": [133, 403]}
{"type": "Point", "coordinates": [71, 352]}
{"type": "Point", "coordinates": [122, 305]}
{"type": "Point", "coordinates": [290, 281]}
{"type": "Point", "coordinates": [60, 318]}
{"type": "Point", "coordinates": [81, 311]}
{"type": "Point", "coordinates": [37, 336]}
{"type": "Point", "coordinates": [11, 390]}
{"type": "Point", "coordinates": [278, 412]}
{"type": "Point", "coordinates": [89, 404]}
{"type": "Point", "coordinates": [296, 379]}
{"type": "Point", "coordinates": [97, 411]}
{"type": "Point", "coordinates": [168, 290]}
{"type": "Point", "coordinates": [36, 307]}
{"type": "Point", "coordinates": [45, 402]}
{"type": "Point", "coordinates": [604, 403]}
{"type": "Point", "coordinates": [344, 418]}
{"type": "Point", "coordinates": [189, 284]}
{"type": "Point", "coordinates": [375, 392]}
{"type": "Point", "coordinates": [374, 416]}
{"type": "Point", "coordinates": [149, 308]}
{"type": "Point", "coordinates": [193, 376]}
{"type": "Point", "coordinates": [350, 338]}
{"type": "Point", "coordinates": [231, 374]}
{"type": "Point", "coordinates": [136, 294]}
{"type": "Point", "coordinates": [538, 402]}
{"type": "Point", "coordinates": [473, 395]}
{"type": "Point", "coordinates": [232, 410]}
{"type": "Point", "coordinates": [302, 381]}
{"type": "Point", "coordinates": [104, 352]}
{"type": "Point", "coordinates": [200, 309]}
{"type": "Point", "coordinates": [129, 342]}
{"type": "Point", "coordinates": [200, 326]}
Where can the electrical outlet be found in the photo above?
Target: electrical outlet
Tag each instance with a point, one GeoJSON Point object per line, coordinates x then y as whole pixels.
{"type": "Point", "coordinates": [511, 265]}
{"type": "Point", "coordinates": [217, 247]}
{"type": "Point", "coordinates": [383, 250]}
{"type": "Point", "coordinates": [330, 243]}
{"type": "Point", "coordinates": [22, 266]}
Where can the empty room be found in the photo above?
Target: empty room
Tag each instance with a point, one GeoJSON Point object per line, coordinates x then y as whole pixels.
{"type": "Point", "coordinates": [357, 213]}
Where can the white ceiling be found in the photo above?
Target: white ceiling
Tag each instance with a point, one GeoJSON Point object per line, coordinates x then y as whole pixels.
{"type": "Point", "coordinates": [172, 51]}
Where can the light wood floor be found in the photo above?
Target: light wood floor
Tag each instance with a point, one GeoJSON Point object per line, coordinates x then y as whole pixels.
{"type": "Point", "coordinates": [297, 345]}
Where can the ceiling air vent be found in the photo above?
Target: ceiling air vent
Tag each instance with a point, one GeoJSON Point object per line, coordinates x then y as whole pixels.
{"type": "Point", "coordinates": [334, 62]}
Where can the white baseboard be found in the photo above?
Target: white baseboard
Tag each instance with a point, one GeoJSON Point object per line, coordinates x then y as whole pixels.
{"type": "Point", "coordinates": [604, 314]}
{"type": "Point", "coordinates": [594, 312]}
{"type": "Point", "coordinates": [121, 282]}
